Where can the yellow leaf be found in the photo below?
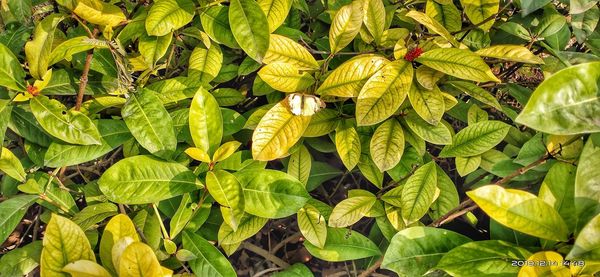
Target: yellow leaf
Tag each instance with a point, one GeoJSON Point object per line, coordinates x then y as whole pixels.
{"type": "Point", "coordinates": [118, 227]}
{"type": "Point", "coordinates": [544, 263]}
{"type": "Point", "coordinates": [276, 132]}
{"type": "Point", "coordinates": [286, 50]}
{"type": "Point", "coordinates": [348, 79]}
{"type": "Point", "coordinates": [514, 53]}
{"type": "Point", "coordinates": [64, 243]}
{"type": "Point", "coordinates": [374, 18]}
{"type": "Point", "coordinates": [428, 77]}
{"type": "Point", "coordinates": [459, 63]}
{"type": "Point", "coordinates": [85, 268]}
{"type": "Point", "coordinates": [433, 26]}
{"type": "Point", "coordinates": [285, 77]}
{"type": "Point", "coordinates": [138, 260]}
{"type": "Point", "coordinates": [429, 104]}
{"type": "Point", "coordinates": [312, 225]}
{"type": "Point", "coordinates": [479, 10]}
{"type": "Point", "coordinates": [198, 154]}
{"type": "Point", "coordinates": [99, 13]}
{"type": "Point", "coordinates": [225, 150]}
{"type": "Point", "coordinates": [387, 144]}
{"type": "Point", "coordinates": [345, 25]}
{"type": "Point", "coordinates": [276, 11]}
{"type": "Point", "coordinates": [347, 144]}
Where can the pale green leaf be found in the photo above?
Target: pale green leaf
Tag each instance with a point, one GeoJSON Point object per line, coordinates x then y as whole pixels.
{"type": "Point", "coordinates": [345, 25]}
{"type": "Point", "coordinates": [459, 63]}
{"type": "Point", "coordinates": [119, 226]}
{"type": "Point", "coordinates": [206, 121]}
{"type": "Point", "coordinates": [343, 245]}
{"type": "Point", "coordinates": [300, 164]}
{"type": "Point", "coordinates": [250, 27]}
{"type": "Point", "coordinates": [347, 144]}
{"type": "Point", "coordinates": [286, 50]}
{"type": "Point", "coordinates": [285, 77]}
{"type": "Point", "coordinates": [210, 261]}
{"type": "Point", "coordinates": [476, 139]}
{"type": "Point", "coordinates": [438, 134]}
{"type": "Point", "coordinates": [166, 16]}
{"type": "Point", "coordinates": [466, 165]}
{"type": "Point", "coordinates": [312, 225]}
{"type": "Point", "coordinates": [12, 74]}
{"type": "Point", "coordinates": [514, 53]}
{"type": "Point", "coordinates": [11, 165]}
{"type": "Point", "coordinates": [38, 50]}
{"type": "Point", "coordinates": [433, 26]}
{"type": "Point", "coordinates": [587, 195]}
{"type": "Point", "coordinates": [12, 211]}
{"type": "Point", "coordinates": [419, 192]}
{"type": "Point", "coordinates": [99, 13]}
{"type": "Point", "coordinates": [351, 210]}
{"type": "Point", "coordinates": [387, 144]}
{"type": "Point", "coordinates": [375, 18]}
{"type": "Point", "coordinates": [348, 79]}
{"type": "Point", "coordinates": [205, 64]}
{"type": "Point", "coordinates": [479, 10]}
{"type": "Point", "coordinates": [428, 104]}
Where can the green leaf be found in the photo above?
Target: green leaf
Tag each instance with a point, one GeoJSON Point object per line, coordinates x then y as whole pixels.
{"type": "Point", "coordinates": [250, 27]}
{"type": "Point", "coordinates": [466, 165]}
{"type": "Point", "coordinates": [437, 134]}
{"type": "Point", "coordinates": [514, 53]}
{"type": "Point", "coordinates": [476, 92]}
{"type": "Point", "coordinates": [529, 6]}
{"type": "Point", "coordinates": [21, 261]}
{"type": "Point", "coordinates": [20, 9]}
{"type": "Point", "coordinates": [483, 258]}
{"type": "Point", "coordinates": [384, 92]}
{"type": "Point", "coordinates": [38, 50]}
{"type": "Point", "coordinates": [5, 113]}
{"type": "Point", "coordinates": [248, 227]}
{"type": "Point", "coordinates": [205, 64]}
{"type": "Point", "coordinates": [206, 121]}
{"type": "Point", "coordinates": [182, 215]}
{"type": "Point", "coordinates": [68, 48]}
{"type": "Point", "coordinates": [228, 96]}
{"type": "Point", "coordinates": [587, 243]}
{"type": "Point", "coordinates": [587, 197]}
{"type": "Point", "coordinates": [565, 103]}
{"type": "Point", "coordinates": [150, 123]}
{"type": "Point", "coordinates": [429, 104]}
{"type": "Point", "coordinates": [276, 11]}
{"type": "Point", "coordinates": [12, 211]}
{"type": "Point", "coordinates": [419, 192]}
{"type": "Point", "coordinates": [479, 10]}
{"type": "Point", "coordinates": [416, 250]}
{"type": "Point", "coordinates": [166, 16]}
{"type": "Point", "coordinates": [153, 48]}
{"type": "Point", "coordinates": [64, 243]}
{"type": "Point", "coordinates": [300, 164]}
{"type": "Point", "coordinates": [93, 214]}
{"type": "Point", "coordinates": [119, 227]}
{"type": "Point", "coordinates": [387, 144]}
{"type": "Point", "coordinates": [448, 198]}
{"type": "Point", "coordinates": [145, 179]}
{"type": "Point", "coordinates": [11, 166]}
{"type": "Point", "coordinates": [86, 268]}
{"type": "Point", "coordinates": [558, 190]}
{"type": "Point", "coordinates": [285, 77]}
{"type": "Point", "coordinates": [277, 132]}
{"type": "Point", "coordinates": [210, 261]}
{"type": "Point", "coordinates": [312, 225]}
{"type": "Point", "coordinates": [345, 25]}
{"type": "Point", "coordinates": [348, 79]}
{"type": "Point", "coordinates": [139, 260]}
{"type": "Point", "coordinates": [433, 26]}
{"type": "Point", "coordinates": [215, 22]}
{"type": "Point", "coordinates": [270, 193]}
{"type": "Point", "coordinates": [227, 191]}
{"type": "Point", "coordinates": [445, 13]}
{"type": "Point", "coordinates": [585, 23]}
{"type": "Point", "coordinates": [67, 125]}
{"type": "Point", "coordinates": [12, 75]}
{"type": "Point", "coordinates": [343, 245]}
{"type": "Point", "coordinates": [99, 13]}
{"type": "Point", "coordinates": [369, 170]}
{"type": "Point", "coordinates": [114, 133]}
{"type": "Point", "coordinates": [351, 210]}
{"type": "Point", "coordinates": [24, 124]}
{"type": "Point", "coordinates": [347, 144]}
{"type": "Point", "coordinates": [296, 270]}
{"type": "Point", "coordinates": [476, 139]}
{"type": "Point", "coordinates": [549, 25]}
{"type": "Point", "coordinates": [459, 63]}
{"type": "Point", "coordinates": [321, 123]}
{"type": "Point", "coordinates": [521, 211]}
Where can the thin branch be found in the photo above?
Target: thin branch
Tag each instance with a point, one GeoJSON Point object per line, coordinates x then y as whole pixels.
{"type": "Point", "coordinates": [372, 268]}
{"type": "Point", "coordinates": [265, 254]}
{"type": "Point", "coordinates": [84, 76]}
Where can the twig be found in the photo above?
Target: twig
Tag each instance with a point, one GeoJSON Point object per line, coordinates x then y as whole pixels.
{"type": "Point", "coordinates": [278, 246]}
{"type": "Point", "coordinates": [261, 273]}
{"type": "Point", "coordinates": [265, 254]}
{"type": "Point", "coordinates": [84, 75]}
{"type": "Point", "coordinates": [372, 268]}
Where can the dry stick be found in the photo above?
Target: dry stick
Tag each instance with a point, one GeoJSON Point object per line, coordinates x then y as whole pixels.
{"type": "Point", "coordinates": [84, 76]}
{"type": "Point", "coordinates": [265, 254]}
{"type": "Point", "coordinates": [372, 268]}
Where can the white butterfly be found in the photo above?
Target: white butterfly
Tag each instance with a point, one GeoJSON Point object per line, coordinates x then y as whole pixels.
{"type": "Point", "coordinates": [304, 104]}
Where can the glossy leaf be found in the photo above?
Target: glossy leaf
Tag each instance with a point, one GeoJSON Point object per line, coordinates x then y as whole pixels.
{"type": "Point", "coordinates": [459, 63]}
{"type": "Point", "coordinates": [12, 75]}
{"type": "Point", "coordinates": [276, 132]}
{"type": "Point", "coordinates": [416, 250]}
{"type": "Point", "coordinates": [387, 144]}
{"type": "Point", "coordinates": [350, 210]}
{"type": "Point", "coordinates": [515, 53]}
{"type": "Point", "coordinates": [375, 18]}
{"type": "Point", "coordinates": [153, 48]}
{"type": "Point", "coordinates": [276, 11]}
{"type": "Point", "coordinates": [11, 166]}
{"type": "Point", "coordinates": [476, 139]}
{"type": "Point", "coordinates": [312, 225]}
{"type": "Point", "coordinates": [286, 50]}
{"type": "Point", "coordinates": [285, 77]}
{"type": "Point", "coordinates": [144, 179]}
{"type": "Point", "coordinates": [343, 245]}
{"type": "Point", "coordinates": [206, 121]}
{"type": "Point", "coordinates": [300, 164]}
{"type": "Point", "coordinates": [248, 227]}
{"type": "Point", "coordinates": [521, 211]}
{"type": "Point", "coordinates": [438, 134]}
{"type": "Point", "coordinates": [479, 10]}
{"type": "Point", "coordinates": [565, 103]}
{"type": "Point", "coordinates": [210, 261]}
{"type": "Point", "coordinates": [429, 104]}
{"type": "Point", "coordinates": [250, 27]}
{"type": "Point", "coordinates": [86, 268]}
{"type": "Point", "coordinates": [270, 193]}
{"type": "Point", "coordinates": [227, 191]}
{"type": "Point", "coordinates": [547, 263]}
{"type": "Point", "coordinates": [99, 13]}
{"type": "Point", "coordinates": [466, 165]}
{"type": "Point", "coordinates": [12, 211]}
{"type": "Point", "coordinates": [139, 260]}
{"type": "Point", "coordinates": [384, 92]}
{"type": "Point", "coordinates": [166, 16]}
{"type": "Point", "coordinates": [558, 189]}
{"type": "Point", "coordinates": [348, 79]}
{"type": "Point", "coordinates": [38, 50]}
{"type": "Point", "coordinates": [476, 92]}
{"type": "Point", "coordinates": [433, 26]}
{"type": "Point", "coordinates": [205, 64]}
{"type": "Point", "coordinates": [215, 22]}
{"type": "Point", "coordinates": [347, 144]}
{"type": "Point", "coordinates": [445, 13]}
{"type": "Point", "coordinates": [64, 243]}
{"type": "Point", "coordinates": [419, 192]}
{"type": "Point", "coordinates": [150, 123]}
{"type": "Point", "coordinates": [67, 125]}
{"type": "Point", "coordinates": [345, 25]}
{"type": "Point", "coordinates": [119, 227]}
{"type": "Point", "coordinates": [483, 258]}
{"type": "Point", "coordinates": [587, 198]}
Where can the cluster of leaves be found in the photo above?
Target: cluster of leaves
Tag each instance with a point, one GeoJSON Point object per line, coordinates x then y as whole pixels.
{"type": "Point", "coordinates": [193, 124]}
